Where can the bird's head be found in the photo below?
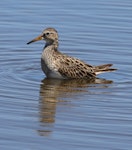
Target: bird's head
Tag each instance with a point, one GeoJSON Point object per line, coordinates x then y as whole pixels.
{"type": "Point", "coordinates": [49, 35]}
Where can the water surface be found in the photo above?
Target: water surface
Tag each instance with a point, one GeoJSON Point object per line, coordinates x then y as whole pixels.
{"type": "Point", "coordinates": [38, 113]}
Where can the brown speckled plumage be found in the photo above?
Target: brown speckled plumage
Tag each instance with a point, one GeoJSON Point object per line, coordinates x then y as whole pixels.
{"type": "Point", "coordinates": [57, 65]}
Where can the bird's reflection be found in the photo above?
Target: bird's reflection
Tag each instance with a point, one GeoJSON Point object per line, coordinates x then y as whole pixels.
{"type": "Point", "coordinates": [53, 91]}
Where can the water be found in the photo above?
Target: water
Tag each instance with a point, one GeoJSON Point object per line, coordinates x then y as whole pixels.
{"type": "Point", "coordinates": [36, 113]}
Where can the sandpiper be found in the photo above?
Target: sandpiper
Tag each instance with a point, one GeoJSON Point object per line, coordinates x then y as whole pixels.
{"type": "Point", "coordinates": [58, 65]}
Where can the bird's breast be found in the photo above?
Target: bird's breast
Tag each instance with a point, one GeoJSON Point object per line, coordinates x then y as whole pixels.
{"type": "Point", "coordinates": [49, 67]}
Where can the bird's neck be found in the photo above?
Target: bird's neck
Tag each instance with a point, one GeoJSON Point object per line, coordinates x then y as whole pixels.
{"type": "Point", "coordinates": [54, 44]}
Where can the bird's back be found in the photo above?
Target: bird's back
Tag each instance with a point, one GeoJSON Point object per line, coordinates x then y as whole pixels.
{"type": "Point", "coordinates": [58, 65]}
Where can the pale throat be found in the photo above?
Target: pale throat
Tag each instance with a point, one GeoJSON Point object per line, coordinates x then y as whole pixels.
{"type": "Point", "coordinates": [52, 43]}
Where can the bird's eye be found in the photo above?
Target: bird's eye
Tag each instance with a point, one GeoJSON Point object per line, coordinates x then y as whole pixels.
{"type": "Point", "coordinates": [47, 33]}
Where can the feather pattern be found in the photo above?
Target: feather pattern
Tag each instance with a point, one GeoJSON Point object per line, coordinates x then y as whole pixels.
{"type": "Point", "coordinates": [57, 65]}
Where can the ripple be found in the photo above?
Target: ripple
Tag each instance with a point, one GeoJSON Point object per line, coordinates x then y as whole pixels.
{"type": "Point", "coordinates": [71, 114]}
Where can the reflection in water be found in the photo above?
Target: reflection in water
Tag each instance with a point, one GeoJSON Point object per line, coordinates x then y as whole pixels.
{"type": "Point", "coordinates": [55, 90]}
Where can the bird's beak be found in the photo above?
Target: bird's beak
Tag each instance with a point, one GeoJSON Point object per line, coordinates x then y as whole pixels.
{"type": "Point", "coordinates": [40, 37]}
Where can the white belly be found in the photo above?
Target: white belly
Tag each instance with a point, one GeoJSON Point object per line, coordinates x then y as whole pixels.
{"type": "Point", "coordinates": [50, 71]}
{"type": "Point", "coordinates": [55, 75]}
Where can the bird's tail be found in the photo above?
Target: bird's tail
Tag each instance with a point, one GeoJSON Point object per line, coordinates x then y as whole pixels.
{"type": "Point", "coordinates": [103, 68]}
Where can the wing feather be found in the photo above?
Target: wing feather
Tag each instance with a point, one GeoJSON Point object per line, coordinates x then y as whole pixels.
{"type": "Point", "coordinates": [70, 67]}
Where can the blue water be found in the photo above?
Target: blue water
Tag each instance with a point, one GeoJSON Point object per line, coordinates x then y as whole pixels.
{"type": "Point", "coordinates": [36, 113]}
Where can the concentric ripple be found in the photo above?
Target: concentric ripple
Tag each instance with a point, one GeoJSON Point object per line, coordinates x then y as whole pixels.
{"type": "Point", "coordinates": [38, 113]}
